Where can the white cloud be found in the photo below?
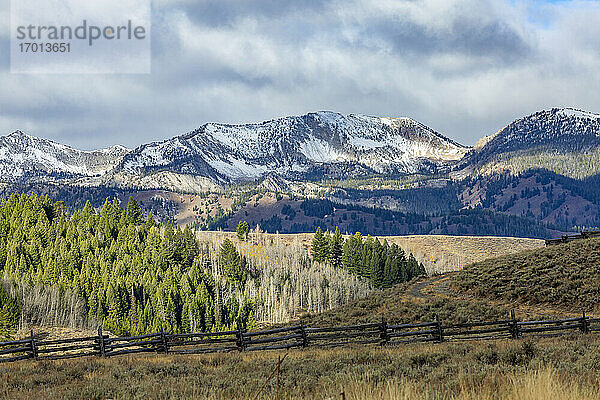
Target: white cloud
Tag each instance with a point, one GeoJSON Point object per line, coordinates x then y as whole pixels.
{"type": "Point", "coordinates": [466, 67]}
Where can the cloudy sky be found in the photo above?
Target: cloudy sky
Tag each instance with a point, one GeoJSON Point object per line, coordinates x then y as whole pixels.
{"type": "Point", "coordinates": [464, 67]}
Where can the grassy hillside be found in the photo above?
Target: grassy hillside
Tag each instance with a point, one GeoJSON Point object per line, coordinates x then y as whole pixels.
{"type": "Point", "coordinates": [564, 275]}
{"type": "Point", "coordinates": [398, 306]}
{"type": "Point", "coordinates": [493, 370]}
{"type": "Point", "coordinates": [443, 253]}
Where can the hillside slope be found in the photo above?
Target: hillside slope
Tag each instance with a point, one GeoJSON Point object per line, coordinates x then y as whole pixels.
{"type": "Point", "coordinates": [553, 199]}
{"type": "Point", "coordinates": [563, 275]}
{"type": "Point", "coordinates": [562, 140]}
{"type": "Point", "coordinates": [398, 306]}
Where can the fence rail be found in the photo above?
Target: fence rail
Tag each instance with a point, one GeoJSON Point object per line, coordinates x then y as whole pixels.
{"type": "Point", "coordinates": [570, 238]}
{"type": "Point", "coordinates": [299, 336]}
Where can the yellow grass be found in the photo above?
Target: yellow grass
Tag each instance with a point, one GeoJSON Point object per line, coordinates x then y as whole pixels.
{"type": "Point", "coordinates": [561, 368]}
{"type": "Point", "coordinates": [535, 385]}
{"type": "Point", "coordinates": [443, 253]}
{"type": "Point", "coordinates": [438, 253]}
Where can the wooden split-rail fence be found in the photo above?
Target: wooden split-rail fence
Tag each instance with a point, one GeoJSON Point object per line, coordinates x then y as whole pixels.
{"type": "Point", "coordinates": [570, 238]}
{"type": "Point", "coordinates": [300, 336]}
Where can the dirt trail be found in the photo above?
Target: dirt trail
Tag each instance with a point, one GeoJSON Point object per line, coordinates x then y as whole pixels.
{"type": "Point", "coordinates": [416, 290]}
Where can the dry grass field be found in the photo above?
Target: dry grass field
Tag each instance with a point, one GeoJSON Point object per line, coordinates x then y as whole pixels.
{"type": "Point", "coordinates": [559, 368]}
{"type": "Point", "coordinates": [438, 253]}
{"type": "Point", "coordinates": [442, 253]}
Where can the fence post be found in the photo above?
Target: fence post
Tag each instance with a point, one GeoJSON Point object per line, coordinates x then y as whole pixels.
{"type": "Point", "coordinates": [101, 342]}
{"type": "Point", "coordinates": [278, 372]}
{"type": "Point", "coordinates": [514, 326]}
{"type": "Point", "coordinates": [163, 339]}
{"type": "Point", "coordinates": [34, 348]}
{"type": "Point", "coordinates": [303, 331]}
{"type": "Point", "coordinates": [585, 327]}
{"type": "Point", "coordinates": [241, 344]}
{"type": "Point", "coordinates": [439, 328]}
{"type": "Point", "coordinates": [383, 332]}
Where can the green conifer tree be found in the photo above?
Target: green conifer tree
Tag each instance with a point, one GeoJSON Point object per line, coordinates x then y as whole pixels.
{"type": "Point", "coordinates": [320, 247]}
{"type": "Point", "coordinates": [133, 215]}
{"type": "Point", "coordinates": [242, 230]}
{"type": "Point", "coordinates": [336, 249]}
{"type": "Point", "coordinates": [231, 264]}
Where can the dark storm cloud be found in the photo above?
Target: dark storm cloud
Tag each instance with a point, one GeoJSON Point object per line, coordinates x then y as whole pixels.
{"type": "Point", "coordinates": [303, 26]}
{"type": "Point", "coordinates": [465, 36]}
{"type": "Point", "coordinates": [481, 35]}
{"type": "Point", "coordinates": [226, 12]}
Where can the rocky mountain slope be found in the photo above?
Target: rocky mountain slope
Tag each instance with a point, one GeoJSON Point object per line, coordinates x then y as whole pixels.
{"type": "Point", "coordinates": [309, 146]}
{"type": "Point", "coordinates": [565, 141]}
{"type": "Point", "coordinates": [25, 158]}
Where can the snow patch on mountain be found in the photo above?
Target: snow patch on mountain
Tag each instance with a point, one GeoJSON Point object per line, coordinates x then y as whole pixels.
{"type": "Point", "coordinates": [298, 145]}
{"type": "Point", "coordinates": [572, 112]}
{"type": "Point", "coordinates": [320, 151]}
{"type": "Point", "coordinates": [29, 158]}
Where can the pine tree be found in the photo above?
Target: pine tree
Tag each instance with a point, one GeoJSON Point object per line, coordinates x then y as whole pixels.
{"type": "Point", "coordinates": [384, 265]}
{"type": "Point", "coordinates": [9, 314]}
{"type": "Point", "coordinates": [320, 247]}
{"type": "Point", "coordinates": [150, 222]}
{"type": "Point", "coordinates": [335, 249]}
{"type": "Point", "coordinates": [352, 253]}
{"type": "Point", "coordinates": [231, 264]}
{"type": "Point", "coordinates": [133, 214]}
{"type": "Point", "coordinates": [326, 248]}
{"type": "Point", "coordinates": [375, 265]}
{"type": "Point", "coordinates": [242, 230]}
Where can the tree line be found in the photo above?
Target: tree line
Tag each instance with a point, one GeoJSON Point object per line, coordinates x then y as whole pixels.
{"type": "Point", "coordinates": [136, 275]}
{"type": "Point", "coordinates": [383, 264]}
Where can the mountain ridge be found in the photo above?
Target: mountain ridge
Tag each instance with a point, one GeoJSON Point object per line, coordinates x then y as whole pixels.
{"type": "Point", "coordinates": [558, 139]}
{"type": "Point", "coordinates": [298, 146]}
{"type": "Point", "coordinates": [313, 146]}
{"type": "Point", "coordinates": [36, 159]}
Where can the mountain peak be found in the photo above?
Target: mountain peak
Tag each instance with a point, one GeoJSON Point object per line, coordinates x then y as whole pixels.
{"type": "Point", "coordinates": [23, 137]}
{"type": "Point", "coordinates": [577, 113]}
{"type": "Point", "coordinates": [313, 145]}
{"type": "Point", "coordinates": [117, 148]}
{"type": "Point", "coordinates": [554, 134]}
{"type": "Point", "coordinates": [18, 134]}
{"type": "Point", "coordinates": [26, 158]}
{"type": "Point", "coordinates": [548, 126]}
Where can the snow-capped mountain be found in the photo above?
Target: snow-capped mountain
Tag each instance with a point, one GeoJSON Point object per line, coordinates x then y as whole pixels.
{"type": "Point", "coordinates": [25, 158]}
{"type": "Point", "coordinates": [549, 135]}
{"type": "Point", "coordinates": [312, 145]}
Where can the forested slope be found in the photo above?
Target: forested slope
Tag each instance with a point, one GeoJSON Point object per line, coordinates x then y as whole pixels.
{"type": "Point", "coordinates": [137, 276]}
